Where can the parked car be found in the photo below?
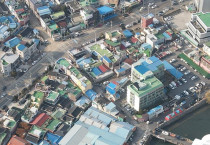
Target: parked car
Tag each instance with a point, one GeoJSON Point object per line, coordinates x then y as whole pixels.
{"type": "Point", "coordinates": [183, 69]}
{"type": "Point", "coordinates": [194, 78]}
{"type": "Point", "coordinates": [22, 101]}
{"type": "Point", "coordinates": [187, 72]}
{"type": "Point", "coordinates": [192, 89]}
{"type": "Point", "coordinates": [172, 60]}
{"type": "Point", "coordinates": [183, 80]}
{"type": "Point", "coordinates": [186, 93]}
{"type": "Point", "coordinates": [203, 83]}
{"type": "Point", "coordinates": [179, 83]}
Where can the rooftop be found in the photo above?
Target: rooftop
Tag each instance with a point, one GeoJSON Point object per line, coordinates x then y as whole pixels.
{"type": "Point", "coordinates": [101, 51]}
{"type": "Point", "coordinates": [57, 15]}
{"type": "Point", "coordinates": [52, 96]}
{"type": "Point", "coordinates": [36, 131]}
{"type": "Point", "coordinates": [205, 17]}
{"type": "Point", "coordinates": [105, 10]}
{"type": "Point", "coordinates": [38, 94]}
{"type": "Point", "coordinates": [207, 44]}
{"type": "Point", "coordinates": [148, 85]}
{"type": "Point", "coordinates": [64, 62]}
{"type": "Point", "coordinates": [53, 124]}
{"type": "Point", "coordinates": [111, 43]}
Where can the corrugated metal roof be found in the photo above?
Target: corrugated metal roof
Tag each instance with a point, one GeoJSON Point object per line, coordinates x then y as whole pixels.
{"type": "Point", "coordinates": [141, 69]}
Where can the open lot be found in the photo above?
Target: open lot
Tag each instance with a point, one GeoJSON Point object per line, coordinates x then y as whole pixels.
{"type": "Point", "coordinates": [180, 19]}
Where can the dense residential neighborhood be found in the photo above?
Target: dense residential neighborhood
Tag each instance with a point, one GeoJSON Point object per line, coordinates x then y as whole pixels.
{"type": "Point", "coordinates": [102, 72]}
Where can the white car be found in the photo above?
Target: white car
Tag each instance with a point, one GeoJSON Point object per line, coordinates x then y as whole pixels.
{"type": "Point", "coordinates": [194, 77]}
{"type": "Point", "coordinates": [183, 69]}
{"type": "Point", "coordinates": [141, 9]}
{"type": "Point", "coordinates": [183, 80]}
{"type": "Point", "coordinates": [192, 89]}
{"type": "Point", "coordinates": [154, 6]}
{"type": "Point", "coordinates": [203, 83]}
{"type": "Point", "coordinates": [186, 93]}
{"type": "Point", "coordinates": [172, 60]}
{"type": "Point", "coordinates": [187, 72]}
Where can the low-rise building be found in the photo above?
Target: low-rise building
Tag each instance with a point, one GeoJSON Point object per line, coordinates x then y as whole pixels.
{"type": "Point", "coordinates": [52, 98]}
{"type": "Point", "coordinates": [35, 135]}
{"type": "Point", "coordinates": [15, 140]}
{"type": "Point", "coordinates": [90, 15]}
{"type": "Point", "coordinates": [80, 80]}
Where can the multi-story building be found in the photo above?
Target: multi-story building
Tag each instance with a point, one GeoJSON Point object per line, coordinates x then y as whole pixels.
{"type": "Point", "coordinates": [52, 98]}
{"type": "Point", "coordinates": [199, 27]}
{"type": "Point", "coordinates": [148, 66]}
{"type": "Point", "coordinates": [25, 51]}
{"type": "Point", "coordinates": [9, 63]}
{"type": "Point", "coordinates": [90, 15]}
{"type": "Point", "coordinates": [145, 92]}
{"type": "Point", "coordinates": [146, 20]}
{"type": "Point", "coordinates": [19, 10]}
{"type": "Point", "coordinates": [202, 5]}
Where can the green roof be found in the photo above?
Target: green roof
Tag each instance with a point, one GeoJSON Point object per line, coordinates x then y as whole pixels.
{"type": "Point", "coordinates": [53, 27]}
{"type": "Point", "coordinates": [76, 72]}
{"type": "Point", "coordinates": [36, 129]}
{"type": "Point", "coordinates": [38, 94]}
{"type": "Point", "coordinates": [207, 44]}
{"type": "Point", "coordinates": [151, 84]}
{"type": "Point", "coordinates": [44, 78]}
{"type": "Point", "coordinates": [4, 62]}
{"type": "Point", "coordinates": [58, 113]}
{"type": "Point", "coordinates": [53, 124]}
{"type": "Point", "coordinates": [159, 35]}
{"type": "Point", "coordinates": [102, 52]}
{"type": "Point", "coordinates": [52, 96]}
{"type": "Point", "coordinates": [207, 57]}
{"type": "Point", "coordinates": [63, 62]}
{"type": "Point", "coordinates": [194, 65]}
{"type": "Point", "coordinates": [113, 44]}
{"type": "Point", "coordinates": [205, 17]}
{"type": "Point", "coordinates": [11, 124]}
{"type": "Point", "coordinates": [61, 92]}
{"type": "Point", "coordinates": [2, 136]}
{"type": "Point", "coordinates": [57, 15]}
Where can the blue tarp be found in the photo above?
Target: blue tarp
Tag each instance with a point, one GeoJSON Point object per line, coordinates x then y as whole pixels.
{"type": "Point", "coordinates": [96, 71]}
{"type": "Point", "coordinates": [91, 94]}
{"type": "Point", "coordinates": [110, 90]}
{"type": "Point", "coordinates": [105, 10]}
{"type": "Point", "coordinates": [166, 35]}
{"type": "Point", "coordinates": [107, 59]}
{"type": "Point", "coordinates": [177, 74]}
{"type": "Point", "coordinates": [54, 139]}
{"type": "Point", "coordinates": [121, 70]}
{"type": "Point", "coordinates": [127, 33]}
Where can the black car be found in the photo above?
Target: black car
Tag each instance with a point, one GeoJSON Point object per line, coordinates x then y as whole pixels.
{"type": "Point", "coordinates": [22, 101]}
{"type": "Point", "coordinates": [158, 129]}
{"type": "Point", "coordinates": [4, 88]}
{"type": "Point", "coordinates": [125, 15]}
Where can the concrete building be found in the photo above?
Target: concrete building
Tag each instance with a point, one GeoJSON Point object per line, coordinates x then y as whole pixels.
{"type": "Point", "coordinates": [90, 15]}
{"type": "Point", "coordinates": [206, 48]}
{"type": "Point", "coordinates": [146, 20]}
{"type": "Point", "coordinates": [145, 67]}
{"type": "Point", "coordinates": [202, 5]}
{"type": "Point", "coordinates": [80, 80]}
{"type": "Point", "coordinates": [199, 27]}
{"type": "Point", "coordinates": [144, 93]}
{"type": "Point", "coordinates": [9, 63]}
{"type": "Point", "coordinates": [25, 51]}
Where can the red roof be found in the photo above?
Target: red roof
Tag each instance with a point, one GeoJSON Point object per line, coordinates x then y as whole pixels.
{"type": "Point", "coordinates": [114, 82]}
{"type": "Point", "coordinates": [102, 68]}
{"type": "Point", "coordinates": [40, 119]}
{"type": "Point", "coordinates": [15, 140]}
{"type": "Point", "coordinates": [128, 61]}
{"type": "Point", "coordinates": [134, 40]}
{"type": "Point", "coordinates": [62, 24]}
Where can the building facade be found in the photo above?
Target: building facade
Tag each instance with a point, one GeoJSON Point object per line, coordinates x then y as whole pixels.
{"type": "Point", "coordinates": [202, 5]}
{"type": "Point", "coordinates": [199, 27]}
{"type": "Point", "coordinates": [144, 93]}
{"type": "Point", "coordinates": [9, 63]}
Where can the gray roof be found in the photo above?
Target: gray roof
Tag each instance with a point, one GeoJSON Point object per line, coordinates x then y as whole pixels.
{"type": "Point", "coordinates": [10, 58]}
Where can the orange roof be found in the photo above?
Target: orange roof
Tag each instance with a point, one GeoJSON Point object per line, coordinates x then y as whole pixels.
{"type": "Point", "coordinates": [15, 140]}
{"type": "Point", "coordinates": [40, 119]}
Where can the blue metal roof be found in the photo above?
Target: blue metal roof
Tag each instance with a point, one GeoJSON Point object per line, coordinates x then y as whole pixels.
{"type": "Point", "coordinates": [21, 47]}
{"type": "Point", "coordinates": [172, 70]}
{"type": "Point", "coordinates": [154, 59]}
{"type": "Point", "coordinates": [141, 69]}
{"type": "Point", "coordinates": [105, 10]}
{"type": "Point", "coordinates": [12, 42]}
{"type": "Point", "coordinates": [91, 94]}
{"type": "Point", "coordinates": [96, 71]}
{"type": "Point", "coordinates": [112, 85]}
{"type": "Point", "coordinates": [107, 59]}
{"type": "Point", "coordinates": [54, 139]}
{"type": "Point", "coordinates": [146, 46]}
{"type": "Point", "coordinates": [127, 33]}
{"type": "Point", "coordinates": [110, 90]}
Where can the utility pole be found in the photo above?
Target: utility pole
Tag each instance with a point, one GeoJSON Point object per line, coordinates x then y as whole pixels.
{"type": "Point", "coordinates": [95, 36]}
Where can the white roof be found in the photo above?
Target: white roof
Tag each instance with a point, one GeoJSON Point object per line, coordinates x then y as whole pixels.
{"type": "Point", "coordinates": [10, 58]}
